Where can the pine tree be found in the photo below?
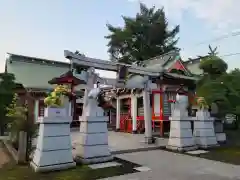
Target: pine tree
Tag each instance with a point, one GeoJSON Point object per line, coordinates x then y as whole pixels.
{"type": "Point", "coordinates": [144, 36]}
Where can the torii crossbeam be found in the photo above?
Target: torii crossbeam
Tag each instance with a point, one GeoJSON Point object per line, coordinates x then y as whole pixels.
{"type": "Point", "coordinates": [108, 65]}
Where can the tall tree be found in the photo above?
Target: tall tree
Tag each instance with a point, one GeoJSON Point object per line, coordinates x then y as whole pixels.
{"type": "Point", "coordinates": [7, 86]}
{"type": "Point", "coordinates": [144, 36]}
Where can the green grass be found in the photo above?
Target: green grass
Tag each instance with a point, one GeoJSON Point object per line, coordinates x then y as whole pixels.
{"type": "Point", "coordinates": [227, 154]}
{"type": "Point", "coordinates": [16, 172]}
{"type": "Point", "coordinates": [11, 171]}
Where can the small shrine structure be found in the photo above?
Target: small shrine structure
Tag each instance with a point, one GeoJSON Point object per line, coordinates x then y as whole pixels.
{"type": "Point", "coordinates": [128, 102]}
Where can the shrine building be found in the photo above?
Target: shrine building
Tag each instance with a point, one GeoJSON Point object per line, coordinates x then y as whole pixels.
{"type": "Point", "coordinates": [177, 75]}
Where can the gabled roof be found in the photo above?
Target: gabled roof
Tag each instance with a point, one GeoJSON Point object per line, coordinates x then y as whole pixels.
{"type": "Point", "coordinates": [161, 62]}
{"type": "Point", "coordinates": [162, 59]}
{"type": "Point", "coordinates": [179, 65]}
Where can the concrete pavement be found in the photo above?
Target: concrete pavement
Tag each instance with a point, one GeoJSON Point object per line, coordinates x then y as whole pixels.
{"type": "Point", "coordinates": [170, 166]}
{"type": "Point", "coordinates": [124, 142]}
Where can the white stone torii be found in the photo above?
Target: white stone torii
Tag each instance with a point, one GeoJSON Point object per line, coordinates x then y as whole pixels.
{"type": "Point", "coordinates": [87, 62]}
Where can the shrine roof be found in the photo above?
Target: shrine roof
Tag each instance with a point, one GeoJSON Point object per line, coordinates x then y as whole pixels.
{"type": "Point", "coordinates": [36, 60]}
{"type": "Point", "coordinates": [162, 59]}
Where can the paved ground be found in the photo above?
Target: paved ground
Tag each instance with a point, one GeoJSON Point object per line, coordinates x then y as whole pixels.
{"type": "Point", "coordinates": [121, 142]}
{"type": "Point", "coordinates": [170, 166]}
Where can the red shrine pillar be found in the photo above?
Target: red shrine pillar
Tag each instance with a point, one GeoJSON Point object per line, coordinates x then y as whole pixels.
{"type": "Point", "coordinates": [161, 112]}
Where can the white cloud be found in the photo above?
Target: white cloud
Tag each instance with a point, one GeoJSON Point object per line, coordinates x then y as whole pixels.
{"type": "Point", "coordinates": [219, 14]}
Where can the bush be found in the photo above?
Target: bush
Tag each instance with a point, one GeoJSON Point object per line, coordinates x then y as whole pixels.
{"type": "Point", "coordinates": [18, 121]}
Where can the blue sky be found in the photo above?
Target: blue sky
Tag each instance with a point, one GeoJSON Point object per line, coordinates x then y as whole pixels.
{"type": "Point", "coordinates": [46, 28]}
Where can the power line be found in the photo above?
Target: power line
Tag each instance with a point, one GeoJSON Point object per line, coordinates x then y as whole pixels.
{"type": "Point", "coordinates": [229, 35]}
{"type": "Point", "coordinates": [232, 34]}
{"type": "Point", "coordinates": [231, 54]}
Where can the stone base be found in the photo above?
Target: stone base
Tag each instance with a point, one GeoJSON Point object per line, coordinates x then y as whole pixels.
{"type": "Point", "coordinates": [181, 144]}
{"type": "Point", "coordinates": [182, 149]}
{"type": "Point", "coordinates": [92, 143]}
{"type": "Point", "coordinates": [134, 132]}
{"type": "Point", "coordinates": [117, 130]}
{"type": "Point", "coordinates": [94, 160]}
{"type": "Point", "coordinates": [53, 150]}
{"type": "Point", "coordinates": [221, 137]}
{"type": "Point", "coordinates": [181, 138]}
{"type": "Point", "coordinates": [204, 134]}
{"type": "Point", "coordinates": [54, 167]}
{"type": "Point", "coordinates": [206, 142]}
{"type": "Point", "coordinates": [149, 140]}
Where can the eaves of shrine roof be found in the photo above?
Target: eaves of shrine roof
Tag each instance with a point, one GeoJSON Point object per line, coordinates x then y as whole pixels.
{"type": "Point", "coordinates": [179, 76]}
{"type": "Point", "coordinates": [194, 60]}
{"type": "Point", "coordinates": [36, 60]}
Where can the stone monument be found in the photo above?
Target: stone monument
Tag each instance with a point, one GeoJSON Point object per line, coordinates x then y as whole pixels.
{"type": "Point", "coordinates": [204, 133]}
{"type": "Point", "coordinates": [181, 137]}
{"type": "Point", "coordinates": [54, 149]}
{"type": "Point", "coordinates": [92, 143]}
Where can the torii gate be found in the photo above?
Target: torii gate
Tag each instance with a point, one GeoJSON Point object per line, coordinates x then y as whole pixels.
{"type": "Point", "coordinates": [87, 62]}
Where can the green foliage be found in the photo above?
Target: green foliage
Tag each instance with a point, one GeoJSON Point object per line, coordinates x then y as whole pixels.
{"type": "Point", "coordinates": [218, 86]}
{"type": "Point", "coordinates": [144, 36]}
{"type": "Point", "coordinates": [202, 103]}
{"type": "Point", "coordinates": [7, 86]}
{"type": "Point", "coordinates": [213, 65]}
{"type": "Point", "coordinates": [56, 98]}
{"type": "Point", "coordinates": [17, 116]}
{"type": "Point", "coordinates": [18, 121]}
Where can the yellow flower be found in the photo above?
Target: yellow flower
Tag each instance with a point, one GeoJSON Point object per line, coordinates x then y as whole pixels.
{"type": "Point", "coordinates": [53, 94]}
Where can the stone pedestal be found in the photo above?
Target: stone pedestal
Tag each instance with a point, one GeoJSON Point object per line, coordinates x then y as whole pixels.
{"type": "Point", "coordinates": [181, 137]}
{"type": "Point", "coordinates": [54, 149]}
{"type": "Point", "coordinates": [92, 143]}
{"type": "Point", "coordinates": [204, 133]}
{"type": "Point", "coordinates": [220, 135]}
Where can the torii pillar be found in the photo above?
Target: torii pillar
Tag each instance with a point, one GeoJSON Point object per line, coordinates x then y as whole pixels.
{"type": "Point", "coordinates": [147, 112]}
